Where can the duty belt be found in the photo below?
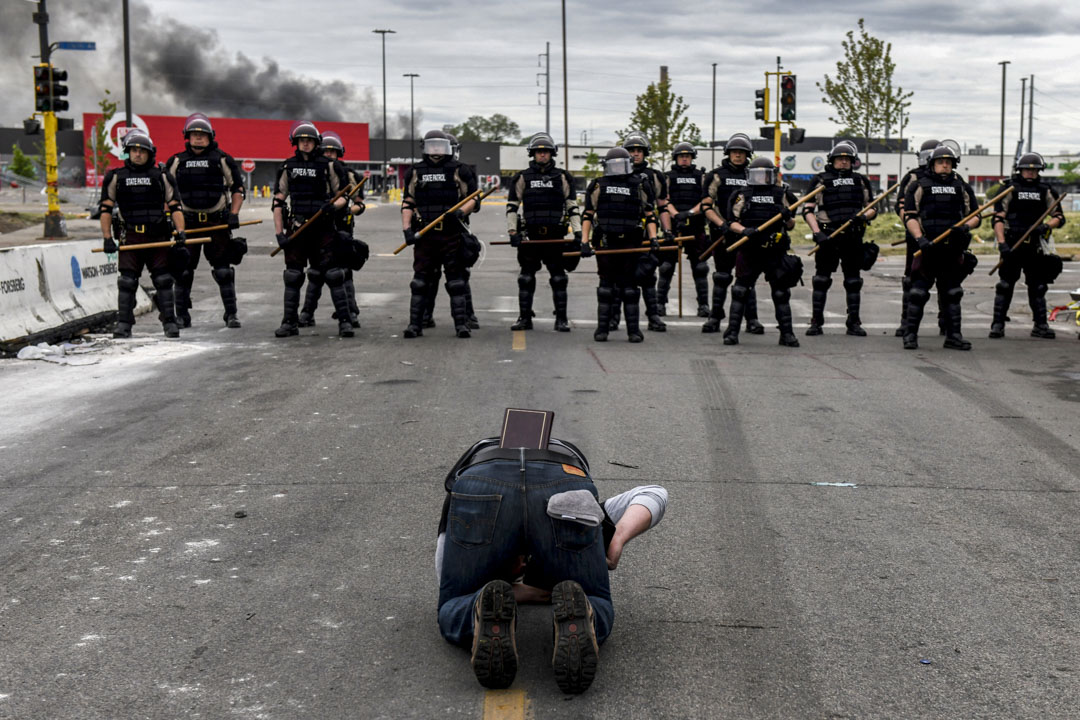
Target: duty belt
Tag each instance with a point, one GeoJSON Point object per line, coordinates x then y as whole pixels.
{"type": "Point", "coordinates": [203, 217]}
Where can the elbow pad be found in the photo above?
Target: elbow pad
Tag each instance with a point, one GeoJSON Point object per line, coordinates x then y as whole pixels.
{"type": "Point", "coordinates": [104, 209]}
{"type": "Point", "coordinates": [574, 210]}
{"type": "Point", "coordinates": [278, 203]}
{"type": "Point", "coordinates": [511, 208]}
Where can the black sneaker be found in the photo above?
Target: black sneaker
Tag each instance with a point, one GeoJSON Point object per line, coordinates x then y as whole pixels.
{"type": "Point", "coordinates": [576, 649]}
{"type": "Point", "coordinates": [494, 649]}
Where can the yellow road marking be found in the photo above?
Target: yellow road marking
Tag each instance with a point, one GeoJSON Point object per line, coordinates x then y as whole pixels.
{"type": "Point", "coordinates": [519, 340]}
{"type": "Point", "coordinates": [505, 705]}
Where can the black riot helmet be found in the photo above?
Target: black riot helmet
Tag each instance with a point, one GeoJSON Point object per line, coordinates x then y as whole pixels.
{"type": "Point", "coordinates": [1031, 161]}
{"type": "Point", "coordinates": [943, 152]}
{"type": "Point", "coordinates": [139, 138]}
{"type": "Point", "coordinates": [925, 151]}
{"type": "Point", "coordinates": [618, 162]}
{"type": "Point", "coordinates": [739, 141]}
{"type": "Point", "coordinates": [954, 146]}
{"type": "Point", "coordinates": [197, 122]}
{"type": "Point", "coordinates": [437, 143]}
{"type": "Point", "coordinates": [761, 172]}
{"type": "Point", "coordinates": [332, 141]}
{"type": "Point", "coordinates": [637, 141]}
{"type": "Point", "coordinates": [683, 148]}
{"type": "Point", "coordinates": [542, 141]}
{"type": "Point", "coordinates": [455, 145]}
{"type": "Point", "coordinates": [304, 129]}
{"type": "Point", "coordinates": [844, 148]}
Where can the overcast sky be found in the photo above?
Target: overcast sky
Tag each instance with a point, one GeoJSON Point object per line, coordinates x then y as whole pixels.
{"type": "Point", "coordinates": [482, 58]}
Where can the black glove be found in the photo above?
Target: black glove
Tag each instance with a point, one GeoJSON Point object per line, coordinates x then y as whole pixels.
{"type": "Point", "coordinates": [282, 239]}
{"type": "Point", "coordinates": [785, 213]}
{"type": "Point", "coordinates": [181, 238]}
{"type": "Point", "coordinates": [1004, 248]}
{"type": "Point", "coordinates": [110, 245]}
{"type": "Point", "coordinates": [410, 237]}
{"type": "Point", "coordinates": [234, 221]}
{"type": "Point", "coordinates": [923, 243]}
{"type": "Point", "coordinates": [750, 231]}
{"type": "Point", "coordinates": [515, 239]}
{"type": "Point", "coordinates": [577, 236]}
{"type": "Point", "coordinates": [669, 237]}
{"type": "Point", "coordinates": [682, 216]}
{"type": "Point", "coordinates": [723, 228]}
{"type": "Point", "coordinates": [459, 215]}
{"type": "Point", "coordinates": [1042, 231]}
{"type": "Point", "coordinates": [961, 233]}
{"type": "Point", "coordinates": [328, 208]}
{"type": "Point", "coordinates": [653, 245]}
{"type": "Point", "coordinates": [859, 222]}
{"type": "Point", "coordinates": [821, 238]}
{"type": "Point", "coordinates": [360, 204]}
{"type": "Point", "coordinates": [585, 248]}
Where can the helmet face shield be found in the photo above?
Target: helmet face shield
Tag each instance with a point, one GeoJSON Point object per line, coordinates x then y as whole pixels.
{"type": "Point", "coordinates": [761, 176]}
{"type": "Point", "coordinates": [924, 157]}
{"type": "Point", "coordinates": [618, 166]}
{"type": "Point", "coordinates": [438, 146]}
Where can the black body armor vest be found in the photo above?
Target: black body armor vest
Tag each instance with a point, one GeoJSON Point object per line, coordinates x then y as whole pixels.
{"type": "Point", "coordinates": [942, 203]}
{"type": "Point", "coordinates": [618, 208]}
{"type": "Point", "coordinates": [1027, 204]}
{"type": "Point", "coordinates": [436, 189]}
{"type": "Point", "coordinates": [543, 200]}
{"type": "Point", "coordinates": [842, 197]}
{"type": "Point", "coordinates": [732, 179]}
{"type": "Point", "coordinates": [199, 178]}
{"type": "Point", "coordinates": [684, 186]}
{"type": "Point", "coordinates": [308, 183]}
{"type": "Point", "coordinates": [140, 194]}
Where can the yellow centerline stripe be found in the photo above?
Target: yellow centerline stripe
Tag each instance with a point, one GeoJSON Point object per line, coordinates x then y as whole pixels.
{"type": "Point", "coordinates": [519, 340]}
{"type": "Point", "coordinates": [505, 705]}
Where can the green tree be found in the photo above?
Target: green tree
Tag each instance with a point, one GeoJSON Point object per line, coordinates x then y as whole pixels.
{"type": "Point", "coordinates": [1068, 172]}
{"type": "Point", "coordinates": [591, 168]}
{"type": "Point", "coordinates": [862, 94]}
{"type": "Point", "coordinates": [497, 128]}
{"type": "Point", "coordinates": [98, 145]}
{"type": "Point", "coordinates": [661, 115]}
{"type": "Point", "coordinates": [21, 164]}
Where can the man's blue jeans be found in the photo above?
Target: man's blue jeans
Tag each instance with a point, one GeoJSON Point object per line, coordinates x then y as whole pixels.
{"type": "Point", "coordinates": [498, 512]}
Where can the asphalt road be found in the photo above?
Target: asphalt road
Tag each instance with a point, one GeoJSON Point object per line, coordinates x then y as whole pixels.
{"type": "Point", "coordinates": [232, 525]}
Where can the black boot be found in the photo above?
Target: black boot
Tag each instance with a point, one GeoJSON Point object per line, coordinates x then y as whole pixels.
{"type": "Point", "coordinates": [750, 313]}
{"type": "Point", "coordinates": [701, 288]}
{"type": "Point", "coordinates": [905, 286]}
{"type": "Point", "coordinates": [350, 292]}
{"type": "Point", "coordinates": [418, 305]}
{"type": "Point", "coordinates": [560, 297]}
{"type": "Point", "coordinates": [127, 286]}
{"type": "Point", "coordinates": [942, 316]}
{"type": "Point", "coordinates": [1003, 293]}
{"type": "Point", "coordinates": [853, 288]}
{"type": "Point", "coordinates": [225, 277]}
{"type": "Point", "coordinates": [166, 301]}
{"type": "Point", "coordinates": [652, 310]}
{"type": "Point", "coordinates": [429, 304]}
{"type": "Point", "coordinates": [1037, 300]}
{"type": "Point", "coordinates": [526, 291]}
{"type": "Point", "coordinates": [719, 297]}
{"type": "Point", "coordinates": [782, 303]}
{"type": "Point", "coordinates": [632, 312]}
{"type": "Point", "coordinates": [335, 278]}
{"type": "Point", "coordinates": [663, 287]}
{"type": "Point", "coordinates": [294, 280]}
{"type": "Point", "coordinates": [616, 309]}
{"type": "Point", "coordinates": [182, 298]}
{"type": "Point", "coordinates": [738, 305]}
{"type": "Point", "coordinates": [821, 285]}
{"type": "Point", "coordinates": [605, 297]}
{"type": "Point", "coordinates": [954, 340]}
{"type": "Point", "coordinates": [470, 314]}
{"type": "Point", "coordinates": [917, 298]}
{"type": "Point", "coordinates": [456, 287]}
{"type": "Point", "coordinates": [312, 294]}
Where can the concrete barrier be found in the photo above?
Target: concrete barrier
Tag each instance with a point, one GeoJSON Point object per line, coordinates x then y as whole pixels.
{"type": "Point", "coordinates": [48, 292]}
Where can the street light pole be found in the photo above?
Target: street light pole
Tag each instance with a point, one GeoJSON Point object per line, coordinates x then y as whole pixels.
{"type": "Point", "coordinates": [712, 144]}
{"type": "Point", "coordinates": [127, 70]}
{"type": "Point", "coordinates": [412, 123]}
{"type": "Point", "coordinates": [1001, 164]}
{"type": "Point", "coordinates": [384, 133]}
{"type": "Point", "coordinates": [565, 94]}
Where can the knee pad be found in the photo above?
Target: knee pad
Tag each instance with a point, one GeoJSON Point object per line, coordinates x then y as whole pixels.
{"type": "Point", "coordinates": [822, 282]}
{"type": "Point", "coordinates": [853, 284]}
{"type": "Point", "coordinates": [186, 278]}
{"type": "Point", "coordinates": [667, 268]}
{"type": "Point", "coordinates": [335, 277]}
{"type": "Point", "coordinates": [781, 296]}
{"type": "Point", "coordinates": [605, 294]}
{"type": "Point", "coordinates": [527, 281]}
{"type": "Point", "coordinates": [315, 276]}
{"type": "Point", "coordinates": [953, 295]}
{"type": "Point", "coordinates": [456, 286]}
{"type": "Point", "coordinates": [1037, 290]}
{"type": "Point", "coordinates": [294, 278]}
{"type": "Point", "coordinates": [905, 284]}
{"type": "Point", "coordinates": [919, 295]}
{"type": "Point", "coordinates": [631, 294]}
{"type": "Point", "coordinates": [721, 278]}
{"type": "Point", "coordinates": [223, 275]}
{"type": "Point", "coordinates": [559, 282]}
{"type": "Point", "coordinates": [418, 284]}
{"type": "Point", "coordinates": [164, 281]}
{"type": "Point", "coordinates": [1003, 287]}
{"type": "Point", "coordinates": [700, 269]}
{"type": "Point", "coordinates": [127, 282]}
{"type": "Point", "coordinates": [740, 293]}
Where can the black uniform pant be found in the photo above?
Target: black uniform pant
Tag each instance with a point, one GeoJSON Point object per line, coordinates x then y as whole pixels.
{"type": "Point", "coordinates": [942, 266]}
{"type": "Point", "coordinates": [218, 254]}
{"type": "Point", "coordinates": [620, 280]}
{"type": "Point", "coordinates": [439, 253]}
{"type": "Point", "coordinates": [751, 262]}
{"type": "Point", "coordinates": [1024, 260]}
{"type": "Point", "coordinates": [531, 259]}
{"type": "Point", "coordinates": [315, 247]}
{"type": "Point", "coordinates": [130, 264]}
{"type": "Point", "coordinates": [723, 276]}
{"type": "Point", "coordinates": [846, 253]}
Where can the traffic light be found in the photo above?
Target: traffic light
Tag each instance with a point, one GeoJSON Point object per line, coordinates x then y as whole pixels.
{"type": "Point", "coordinates": [796, 135]}
{"type": "Point", "coordinates": [48, 87]}
{"type": "Point", "coordinates": [787, 97]}
{"type": "Point", "coordinates": [761, 104]}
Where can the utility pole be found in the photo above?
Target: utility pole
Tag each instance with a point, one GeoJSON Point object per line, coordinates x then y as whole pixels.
{"type": "Point", "coordinates": [54, 219]}
{"type": "Point", "coordinates": [565, 94]}
{"type": "Point", "coordinates": [384, 33]}
{"type": "Point", "coordinates": [412, 121]}
{"type": "Point", "coordinates": [1023, 104]}
{"type": "Point", "coordinates": [712, 143]}
{"type": "Point", "coordinates": [1031, 113]}
{"type": "Point", "coordinates": [547, 85]}
{"type": "Point", "coordinates": [127, 70]}
{"type": "Point", "coordinates": [1001, 164]}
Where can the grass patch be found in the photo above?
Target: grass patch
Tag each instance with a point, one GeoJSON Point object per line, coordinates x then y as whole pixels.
{"type": "Point", "coordinates": [11, 221]}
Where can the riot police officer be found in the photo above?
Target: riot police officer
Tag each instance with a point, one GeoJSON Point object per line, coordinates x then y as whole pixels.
{"type": "Point", "coordinates": [211, 193]}
{"type": "Point", "coordinates": [306, 184]}
{"type": "Point", "coordinates": [846, 193]}
{"type": "Point", "coordinates": [720, 186]}
{"type": "Point", "coordinates": [617, 205]}
{"type": "Point", "coordinates": [766, 251]}
{"type": "Point", "coordinates": [684, 182]}
{"type": "Point", "coordinates": [431, 187]}
{"type": "Point", "coordinates": [639, 148]}
{"type": "Point", "coordinates": [541, 203]}
{"type": "Point", "coordinates": [934, 203]}
{"type": "Point", "coordinates": [142, 193]}
{"type": "Point", "coordinates": [1014, 215]}
{"type": "Point", "coordinates": [333, 148]}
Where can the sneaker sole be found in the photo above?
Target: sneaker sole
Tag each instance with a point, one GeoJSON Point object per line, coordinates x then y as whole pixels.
{"type": "Point", "coordinates": [494, 654]}
{"type": "Point", "coordinates": [575, 659]}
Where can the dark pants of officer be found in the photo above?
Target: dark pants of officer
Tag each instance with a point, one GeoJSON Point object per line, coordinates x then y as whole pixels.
{"type": "Point", "coordinates": [752, 261]}
{"type": "Point", "coordinates": [438, 252]}
{"type": "Point", "coordinates": [724, 262]}
{"type": "Point", "coordinates": [313, 248]}
{"type": "Point", "coordinates": [944, 267]}
{"type": "Point", "coordinates": [619, 281]}
{"type": "Point", "coordinates": [909, 259]}
{"type": "Point", "coordinates": [130, 264]}
{"type": "Point", "coordinates": [550, 256]}
{"type": "Point", "coordinates": [218, 253]}
{"type": "Point", "coordinates": [313, 293]}
{"type": "Point", "coordinates": [1024, 260]}
{"type": "Point", "coordinates": [845, 252]}
{"type": "Point", "coordinates": [499, 512]}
